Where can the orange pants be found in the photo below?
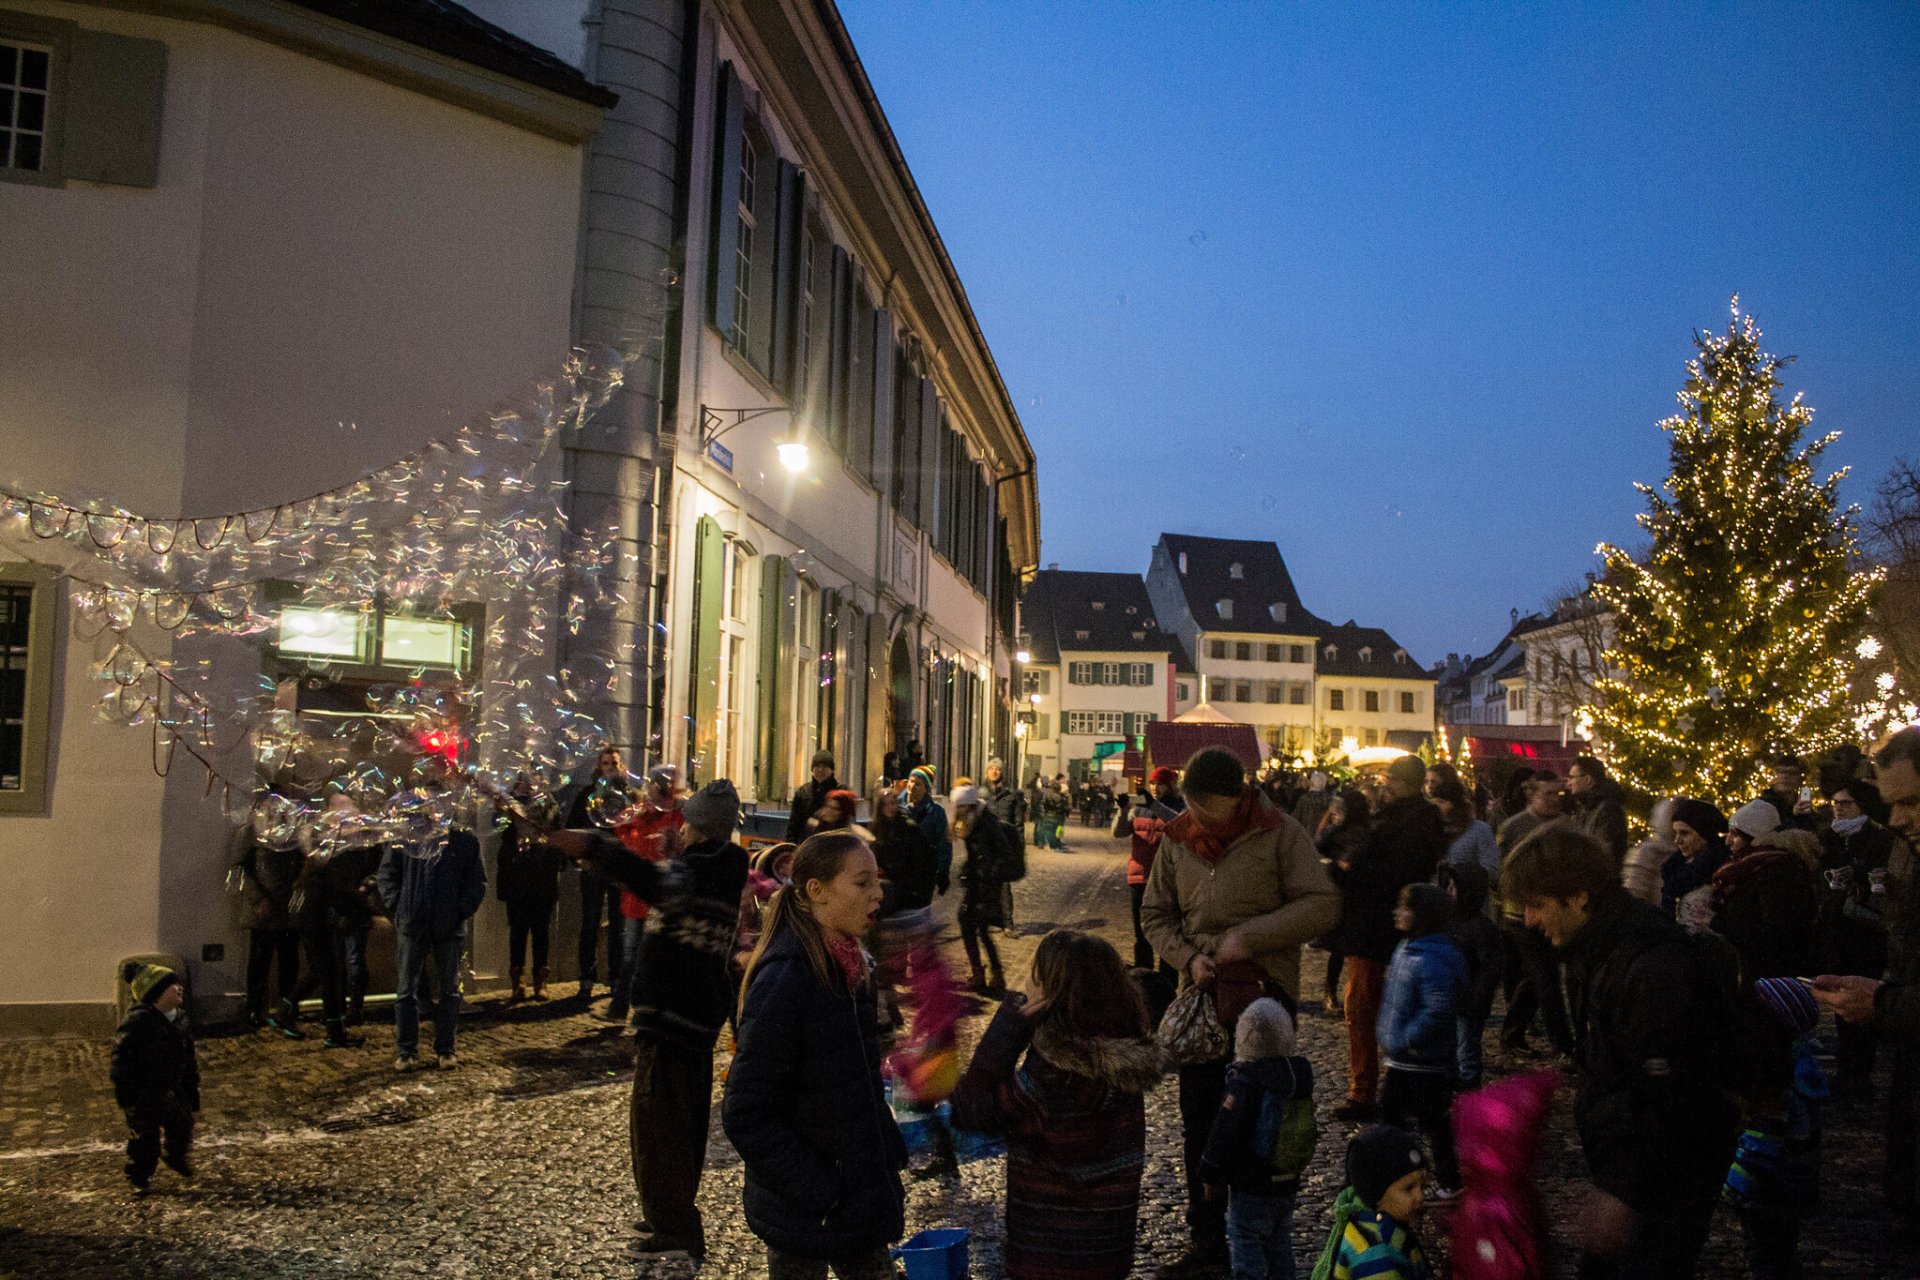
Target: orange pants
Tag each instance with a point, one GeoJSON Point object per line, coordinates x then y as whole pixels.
{"type": "Point", "coordinates": [1362, 982]}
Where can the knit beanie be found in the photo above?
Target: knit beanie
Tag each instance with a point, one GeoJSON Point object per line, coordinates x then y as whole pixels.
{"type": "Point", "coordinates": [823, 759]}
{"type": "Point", "coordinates": [1789, 1001]}
{"type": "Point", "coordinates": [1701, 816]}
{"type": "Point", "coordinates": [1265, 1030]}
{"type": "Point", "coordinates": [1164, 776]}
{"type": "Point", "coordinates": [1755, 819]}
{"type": "Point", "coordinates": [965, 797]}
{"type": "Point", "coordinates": [1379, 1156]}
{"type": "Point", "coordinates": [1432, 909]}
{"type": "Point", "coordinates": [1213, 772]}
{"type": "Point", "coordinates": [925, 774]}
{"type": "Point", "coordinates": [147, 981]}
{"type": "Point", "coordinates": [713, 810]}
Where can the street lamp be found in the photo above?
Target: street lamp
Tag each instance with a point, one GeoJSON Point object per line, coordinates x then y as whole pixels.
{"type": "Point", "coordinates": [1022, 656]}
{"type": "Point", "coordinates": [794, 451]}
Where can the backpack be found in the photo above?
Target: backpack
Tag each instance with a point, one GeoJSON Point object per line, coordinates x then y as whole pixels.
{"type": "Point", "coordinates": [1285, 1134]}
{"type": "Point", "coordinates": [1013, 854]}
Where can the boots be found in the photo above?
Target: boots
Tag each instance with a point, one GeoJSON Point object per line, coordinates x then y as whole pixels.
{"type": "Point", "coordinates": [356, 1008]}
{"type": "Point", "coordinates": [519, 982]}
{"type": "Point", "coordinates": [977, 980]}
{"type": "Point", "coordinates": [286, 1020]}
{"type": "Point", "coordinates": [540, 983]}
{"type": "Point", "coordinates": [337, 1037]}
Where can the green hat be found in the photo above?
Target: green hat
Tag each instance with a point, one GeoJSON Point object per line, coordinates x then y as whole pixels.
{"type": "Point", "coordinates": [147, 981]}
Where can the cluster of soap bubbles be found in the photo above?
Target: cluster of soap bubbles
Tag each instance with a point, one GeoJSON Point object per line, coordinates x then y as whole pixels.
{"type": "Point", "coordinates": [479, 518]}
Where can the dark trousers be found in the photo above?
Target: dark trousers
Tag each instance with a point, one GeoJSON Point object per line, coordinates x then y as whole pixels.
{"type": "Point", "coordinates": [1142, 949]}
{"type": "Point", "coordinates": [264, 947]}
{"type": "Point", "coordinates": [1532, 978]}
{"type": "Point", "coordinates": [1202, 1086]}
{"type": "Point", "coordinates": [598, 901]}
{"type": "Point", "coordinates": [667, 1137]}
{"type": "Point", "coordinates": [528, 920]}
{"type": "Point", "coordinates": [975, 938]}
{"type": "Point", "coordinates": [1423, 1101]}
{"type": "Point", "coordinates": [353, 945]}
{"type": "Point", "coordinates": [163, 1123]}
{"type": "Point", "coordinates": [1772, 1241]}
{"type": "Point", "coordinates": [324, 971]}
{"type": "Point", "coordinates": [1336, 965]}
{"type": "Point", "coordinates": [871, 1264]}
{"type": "Point", "coordinates": [1667, 1247]}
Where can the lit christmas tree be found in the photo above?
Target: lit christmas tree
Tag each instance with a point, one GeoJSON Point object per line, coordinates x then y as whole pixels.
{"type": "Point", "coordinates": [1736, 630]}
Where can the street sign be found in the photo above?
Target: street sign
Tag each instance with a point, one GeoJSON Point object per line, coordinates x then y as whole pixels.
{"type": "Point", "coordinates": [722, 455]}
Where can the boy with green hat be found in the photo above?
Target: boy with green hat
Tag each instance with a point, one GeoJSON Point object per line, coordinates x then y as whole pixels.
{"type": "Point", "coordinates": [156, 1078]}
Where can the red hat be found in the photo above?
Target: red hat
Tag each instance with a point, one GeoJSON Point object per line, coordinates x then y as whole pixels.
{"type": "Point", "coordinates": [1164, 774]}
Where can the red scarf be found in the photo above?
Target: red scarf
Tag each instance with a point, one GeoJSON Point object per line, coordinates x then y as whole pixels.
{"type": "Point", "coordinates": [846, 953]}
{"type": "Point", "coordinates": [1208, 842]}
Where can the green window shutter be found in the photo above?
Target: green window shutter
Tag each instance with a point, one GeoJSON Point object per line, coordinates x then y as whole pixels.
{"type": "Point", "coordinates": [723, 245]}
{"type": "Point", "coordinates": [708, 587]}
{"type": "Point", "coordinates": [790, 223]}
{"type": "Point", "coordinates": [840, 369]}
{"type": "Point", "coordinates": [860, 380]}
{"type": "Point", "coordinates": [776, 596]}
{"type": "Point", "coordinates": [113, 111]}
{"type": "Point", "coordinates": [881, 368]}
{"type": "Point", "coordinates": [929, 450]}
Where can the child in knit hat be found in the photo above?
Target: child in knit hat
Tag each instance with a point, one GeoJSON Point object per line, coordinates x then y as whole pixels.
{"type": "Point", "coordinates": [156, 1077]}
{"type": "Point", "coordinates": [1372, 1236]}
{"type": "Point", "coordinates": [1775, 1178]}
{"type": "Point", "coordinates": [1262, 1141]}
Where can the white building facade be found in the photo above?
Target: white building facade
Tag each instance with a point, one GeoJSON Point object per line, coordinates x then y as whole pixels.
{"type": "Point", "coordinates": [1101, 670]}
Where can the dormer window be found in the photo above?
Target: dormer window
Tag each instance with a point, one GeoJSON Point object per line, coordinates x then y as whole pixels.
{"type": "Point", "coordinates": [1082, 635]}
{"type": "Point", "coordinates": [1333, 651]}
{"type": "Point", "coordinates": [1277, 611]}
{"type": "Point", "coordinates": [1225, 609]}
{"type": "Point", "coordinates": [1139, 635]}
{"type": "Point", "coordinates": [1366, 653]}
{"type": "Point", "coordinates": [1400, 657]}
{"type": "Point", "coordinates": [1236, 571]}
{"type": "Point", "coordinates": [1183, 564]}
{"type": "Point", "coordinates": [1098, 605]}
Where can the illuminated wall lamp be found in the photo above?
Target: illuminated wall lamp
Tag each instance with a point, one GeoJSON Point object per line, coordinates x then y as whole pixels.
{"type": "Point", "coordinates": [794, 452]}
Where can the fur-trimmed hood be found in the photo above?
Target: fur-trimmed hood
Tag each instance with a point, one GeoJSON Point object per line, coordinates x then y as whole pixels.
{"type": "Point", "coordinates": [1132, 1066]}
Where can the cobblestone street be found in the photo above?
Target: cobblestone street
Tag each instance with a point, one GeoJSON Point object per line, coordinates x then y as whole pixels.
{"type": "Point", "coordinates": [327, 1164]}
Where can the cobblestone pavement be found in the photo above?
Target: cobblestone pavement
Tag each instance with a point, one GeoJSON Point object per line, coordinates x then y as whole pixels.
{"type": "Point", "coordinates": [321, 1163]}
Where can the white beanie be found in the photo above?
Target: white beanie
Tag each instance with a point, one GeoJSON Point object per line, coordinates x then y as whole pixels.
{"type": "Point", "coordinates": [1755, 819]}
{"type": "Point", "coordinates": [964, 796]}
{"type": "Point", "coordinates": [1265, 1030]}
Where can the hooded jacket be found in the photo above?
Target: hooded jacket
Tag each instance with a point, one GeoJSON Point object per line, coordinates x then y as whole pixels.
{"type": "Point", "coordinates": [1650, 1043]}
{"type": "Point", "coordinates": [1270, 885]}
{"type": "Point", "coordinates": [1425, 983]}
{"type": "Point", "coordinates": [805, 1109]}
{"type": "Point", "coordinates": [1766, 908]}
{"type": "Point", "coordinates": [1076, 1124]}
{"type": "Point", "coordinates": [1231, 1158]}
{"type": "Point", "coordinates": [1366, 1244]}
{"type": "Point", "coordinates": [1478, 939]}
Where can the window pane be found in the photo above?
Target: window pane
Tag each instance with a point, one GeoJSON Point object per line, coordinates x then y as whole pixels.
{"type": "Point", "coordinates": [33, 68]}
{"type": "Point", "coordinates": [16, 603]}
{"type": "Point", "coordinates": [33, 111]}
{"type": "Point", "coordinates": [420, 642]}
{"type": "Point", "coordinates": [6, 107]}
{"type": "Point", "coordinates": [9, 63]}
{"type": "Point", "coordinates": [322, 633]}
{"type": "Point", "coordinates": [26, 151]}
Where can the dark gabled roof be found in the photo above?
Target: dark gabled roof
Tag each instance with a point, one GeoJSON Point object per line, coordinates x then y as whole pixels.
{"type": "Point", "coordinates": [1264, 582]}
{"type": "Point", "coordinates": [445, 28]}
{"type": "Point", "coordinates": [1348, 639]}
{"type": "Point", "coordinates": [1111, 608]}
{"type": "Point", "coordinates": [1511, 667]}
{"type": "Point", "coordinates": [1182, 660]}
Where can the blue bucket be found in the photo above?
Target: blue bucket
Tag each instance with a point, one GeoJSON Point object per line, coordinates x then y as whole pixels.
{"type": "Point", "coordinates": [939, 1254]}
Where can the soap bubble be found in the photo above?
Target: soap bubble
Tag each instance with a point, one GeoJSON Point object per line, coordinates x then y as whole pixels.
{"type": "Point", "coordinates": [277, 820]}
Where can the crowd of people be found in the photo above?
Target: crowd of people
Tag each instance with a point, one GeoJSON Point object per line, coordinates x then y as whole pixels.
{"type": "Point", "coordinates": [1670, 978]}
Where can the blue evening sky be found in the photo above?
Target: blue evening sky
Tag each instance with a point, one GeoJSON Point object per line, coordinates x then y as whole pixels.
{"type": "Point", "coordinates": [1406, 288]}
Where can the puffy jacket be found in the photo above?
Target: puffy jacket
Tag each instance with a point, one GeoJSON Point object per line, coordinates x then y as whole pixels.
{"type": "Point", "coordinates": [433, 897]}
{"type": "Point", "coordinates": [153, 1058]}
{"type": "Point", "coordinates": [1650, 1046]}
{"type": "Point", "coordinates": [1231, 1157]}
{"type": "Point", "coordinates": [1404, 846]}
{"type": "Point", "coordinates": [1147, 824]}
{"type": "Point", "coordinates": [1269, 885]}
{"type": "Point", "coordinates": [805, 1109]}
{"type": "Point", "coordinates": [1425, 983]}
{"type": "Point", "coordinates": [645, 835]}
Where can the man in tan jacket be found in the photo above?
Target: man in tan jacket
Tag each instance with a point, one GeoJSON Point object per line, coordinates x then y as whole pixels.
{"type": "Point", "coordinates": [1236, 880]}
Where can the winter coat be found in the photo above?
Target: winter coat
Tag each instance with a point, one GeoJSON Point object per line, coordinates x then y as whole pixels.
{"type": "Point", "coordinates": [805, 1109]}
{"type": "Point", "coordinates": [1146, 825]}
{"type": "Point", "coordinates": [1499, 1227]}
{"type": "Point", "coordinates": [907, 865]}
{"type": "Point", "coordinates": [1650, 1045]}
{"type": "Point", "coordinates": [1339, 843]}
{"type": "Point", "coordinates": [1853, 925]}
{"type": "Point", "coordinates": [1681, 875]}
{"type": "Point", "coordinates": [1476, 845]}
{"type": "Point", "coordinates": [328, 896]}
{"type": "Point", "coordinates": [1366, 1244]}
{"type": "Point", "coordinates": [684, 990]}
{"type": "Point", "coordinates": [1403, 846]}
{"type": "Point", "coordinates": [434, 896]}
{"type": "Point", "coordinates": [1784, 803]}
{"type": "Point", "coordinates": [1766, 909]}
{"type": "Point", "coordinates": [1311, 807]}
{"type": "Point", "coordinates": [806, 802]}
{"type": "Point", "coordinates": [1602, 814]}
{"type": "Point", "coordinates": [1269, 885]}
{"type": "Point", "coordinates": [932, 821]}
{"type": "Point", "coordinates": [1054, 804]}
{"type": "Point", "coordinates": [1896, 1017]}
{"type": "Point", "coordinates": [1426, 980]}
{"type": "Point", "coordinates": [1008, 804]}
{"type": "Point", "coordinates": [153, 1058]}
{"type": "Point", "coordinates": [646, 835]}
{"type": "Point", "coordinates": [1232, 1158]}
{"type": "Point", "coordinates": [1075, 1119]}
{"type": "Point", "coordinates": [270, 876]}
{"type": "Point", "coordinates": [1478, 939]}
{"type": "Point", "coordinates": [527, 872]}
{"type": "Point", "coordinates": [989, 858]}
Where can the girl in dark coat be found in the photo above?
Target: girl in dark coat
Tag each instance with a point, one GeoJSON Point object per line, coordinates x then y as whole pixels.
{"type": "Point", "coordinates": [982, 876]}
{"type": "Point", "coordinates": [804, 1105]}
{"type": "Point", "coordinates": [1072, 1112]}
